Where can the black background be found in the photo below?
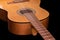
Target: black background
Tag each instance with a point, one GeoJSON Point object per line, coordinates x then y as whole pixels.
{"type": "Point", "coordinates": [49, 5]}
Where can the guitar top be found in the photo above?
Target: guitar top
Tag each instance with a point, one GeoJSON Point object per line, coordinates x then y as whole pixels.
{"type": "Point", "coordinates": [13, 8]}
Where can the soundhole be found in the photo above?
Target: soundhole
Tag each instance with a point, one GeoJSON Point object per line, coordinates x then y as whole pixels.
{"type": "Point", "coordinates": [26, 10]}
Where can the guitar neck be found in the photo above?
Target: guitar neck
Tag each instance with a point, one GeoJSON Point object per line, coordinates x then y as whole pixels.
{"type": "Point", "coordinates": [39, 26]}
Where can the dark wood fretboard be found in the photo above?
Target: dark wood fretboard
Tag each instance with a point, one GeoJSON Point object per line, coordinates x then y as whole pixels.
{"type": "Point", "coordinates": [37, 25]}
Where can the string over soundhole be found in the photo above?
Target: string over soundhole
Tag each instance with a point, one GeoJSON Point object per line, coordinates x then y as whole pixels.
{"type": "Point", "coordinates": [26, 10]}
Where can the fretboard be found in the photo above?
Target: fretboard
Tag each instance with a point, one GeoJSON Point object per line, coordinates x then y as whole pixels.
{"type": "Point", "coordinates": [46, 35]}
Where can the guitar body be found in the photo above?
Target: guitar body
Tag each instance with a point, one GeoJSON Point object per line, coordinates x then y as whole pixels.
{"type": "Point", "coordinates": [18, 24]}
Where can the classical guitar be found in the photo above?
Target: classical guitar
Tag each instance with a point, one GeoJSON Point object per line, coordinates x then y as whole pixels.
{"type": "Point", "coordinates": [27, 11]}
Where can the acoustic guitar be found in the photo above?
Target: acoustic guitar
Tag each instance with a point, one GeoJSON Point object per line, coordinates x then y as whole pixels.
{"type": "Point", "coordinates": [28, 24]}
